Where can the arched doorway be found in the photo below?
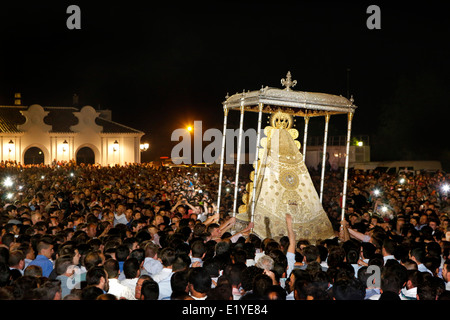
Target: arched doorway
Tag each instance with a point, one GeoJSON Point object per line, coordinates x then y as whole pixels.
{"type": "Point", "coordinates": [85, 155]}
{"type": "Point", "coordinates": [33, 155]}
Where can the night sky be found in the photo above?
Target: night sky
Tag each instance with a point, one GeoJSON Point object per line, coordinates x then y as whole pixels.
{"type": "Point", "coordinates": [160, 67]}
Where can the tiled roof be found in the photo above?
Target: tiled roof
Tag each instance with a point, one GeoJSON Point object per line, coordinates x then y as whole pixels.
{"type": "Point", "coordinates": [114, 127]}
{"type": "Point", "coordinates": [60, 118]}
{"type": "Point", "coordinates": [10, 118]}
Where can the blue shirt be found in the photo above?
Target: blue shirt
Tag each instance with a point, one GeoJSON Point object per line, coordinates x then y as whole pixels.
{"type": "Point", "coordinates": [43, 262]}
{"type": "Point", "coordinates": [152, 266]}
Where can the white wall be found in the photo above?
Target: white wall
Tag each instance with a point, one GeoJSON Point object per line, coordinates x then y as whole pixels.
{"type": "Point", "coordinates": [86, 133]}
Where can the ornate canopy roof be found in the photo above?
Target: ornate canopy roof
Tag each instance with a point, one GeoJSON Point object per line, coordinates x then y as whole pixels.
{"type": "Point", "coordinates": [297, 103]}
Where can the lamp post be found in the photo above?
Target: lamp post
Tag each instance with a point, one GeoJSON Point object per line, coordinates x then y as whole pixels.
{"type": "Point", "coordinates": [143, 147]}
{"type": "Point", "coordinates": [65, 144]}
{"type": "Point", "coordinates": [116, 146]}
{"type": "Point", "coordinates": [115, 149]}
{"type": "Point", "coordinates": [10, 148]}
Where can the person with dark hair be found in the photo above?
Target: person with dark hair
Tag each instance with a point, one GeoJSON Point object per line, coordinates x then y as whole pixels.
{"type": "Point", "coordinates": [418, 256]}
{"type": "Point", "coordinates": [199, 283]}
{"type": "Point", "coordinates": [23, 285]}
{"type": "Point", "coordinates": [16, 263]}
{"type": "Point", "coordinates": [132, 271]}
{"type": "Point", "coordinates": [97, 276]}
{"type": "Point", "coordinates": [446, 274]}
{"type": "Point", "coordinates": [394, 276]}
{"type": "Point", "coordinates": [33, 270]}
{"type": "Point", "coordinates": [65, 274]}
{"type": "Point", "coordinates": [115, 287]}
{"type": "Point", "coordinates": [261, 284]}
{"type": "Point", "coordinates": [142, 278]}
{"type": "Point", "coordinates": [388, 250]}
{"type": "Point", "coordinates": [234, 275]}
{"type": "Point", "coordinates": [43, 258]}
{"type": "Point", "coordinates": [149, 290]}
{"type": "Point", "coordinates": [167, 256]}
{"type": "Point", "coordinates": [275, 292]}
{"type": "Point", "coordinates": [409, 291]}
{"type": "Point", "coordinates": [5, 275]}
{"type": "Point", "coordinates": [198, 250]}
{"type": "Point", "coordinates": [179, 283]}
{"type": "Point", "coordinates": [349, 289]}
{"type": "Point", "coordinates": [367, 252]}
{"type": "Point", "coordinates": [222, 292]}
{"type": "Point", "coordinates": [310, 254]}
{"type": "Point", "coordinates": [352, 257]}
{"type": "Point", "coordinates": [250, 252]}
{"type": "Point", "coordinates": [91, 292]}
{"type": "Point", "coordinates": [426, 291]}
{"type": "Point", "coordinates": [122, 253]}
{"type": "Point", "coordinates": [51, 290]}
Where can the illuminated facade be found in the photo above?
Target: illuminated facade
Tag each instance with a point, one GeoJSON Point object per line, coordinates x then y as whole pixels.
{"type": "Point", "coordinates": [36, 134]}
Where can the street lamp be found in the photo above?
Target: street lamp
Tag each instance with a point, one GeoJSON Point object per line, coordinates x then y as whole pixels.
{"type": "Point", "coordinates": [115, 146]}
{"type": "Point", "coordinates": [189, 128]}
{"type": "Point", "coordinates": [11, 144]}
{"type": "Point", "coordinates": [65, 144]}
{"type": "Point", "coordinates": [143, 147]}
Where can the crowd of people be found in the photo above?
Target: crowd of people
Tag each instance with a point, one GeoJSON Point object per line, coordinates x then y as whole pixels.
{"type": "Point", "coordinates": [139, 232]}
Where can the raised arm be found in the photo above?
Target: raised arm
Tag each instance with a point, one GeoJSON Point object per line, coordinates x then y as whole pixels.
{"type": "Point", "coordinates": [211, 219]}
{"type": "Point", "coordinates": [175, 206]}
{"type": "Point", "coordinates": [227, 225]}
{"type": "Point", "coordinates": [290, 254]}
{"type": "Point", "coordinates": [347, 232]}
{"type": "Point", "coordinates": [343, 232]}
{"type": "Point", "coordinates": [291, 234]}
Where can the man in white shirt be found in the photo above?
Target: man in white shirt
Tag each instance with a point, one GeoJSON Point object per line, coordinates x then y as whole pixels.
{"type": "Point", "coordinates": [387, 250]}
{"type": "Point", "coordinates": [167, 257]}
{"type": "Point", "coordinates": [199, 283]}
{"type": "Point", "coordinates": [131, 269]}
{"type": "Point", "coordinates": [115, 287]}
{"type": "Point", "coordinates": [198, 250]}
{"type": "Point", "coordinates": [151, 263]}
{"type": "Point", "coordinates": [119, 215]}
{"type": "Point", "coordinates": [409, 291]}
{"type": "Point", "coordinates": [417, 255]}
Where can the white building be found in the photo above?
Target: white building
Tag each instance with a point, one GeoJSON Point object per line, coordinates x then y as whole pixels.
{"type": "Point", "coordinates": [37, 134]}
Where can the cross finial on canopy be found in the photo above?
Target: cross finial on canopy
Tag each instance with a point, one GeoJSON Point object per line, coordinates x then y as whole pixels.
{"type": "Point", "coordinates": [288, 82]}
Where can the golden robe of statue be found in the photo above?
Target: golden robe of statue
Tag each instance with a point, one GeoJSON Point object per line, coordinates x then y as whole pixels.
{"type": "Point", "coordinates": [284, 186]}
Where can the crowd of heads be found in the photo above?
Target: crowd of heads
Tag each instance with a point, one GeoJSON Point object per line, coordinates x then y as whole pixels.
{"type": "Point", "coordinates": [139, 232]}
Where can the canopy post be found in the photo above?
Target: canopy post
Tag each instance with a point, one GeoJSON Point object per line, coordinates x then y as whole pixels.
{"type": "Point", "coordinates": [324, 156]}
{"type": "Point", "coordinates": [305, 137]}
{"type": "Point", "coordinates": [222, 154]}
{"type": "Point", "coordinates": [238, 160]}
{"type": "Point", "coordinates": [344, 191]}
{"type": "Point", "coordinates": [255, 176]}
